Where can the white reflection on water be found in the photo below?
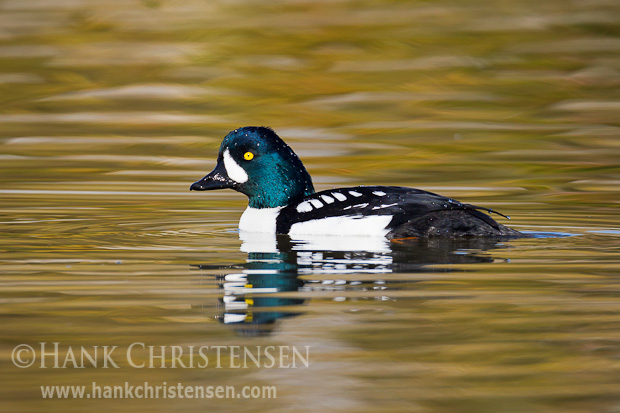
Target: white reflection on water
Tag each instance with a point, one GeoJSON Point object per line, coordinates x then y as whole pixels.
{"type": "Point", "coordinates": [279, 264]}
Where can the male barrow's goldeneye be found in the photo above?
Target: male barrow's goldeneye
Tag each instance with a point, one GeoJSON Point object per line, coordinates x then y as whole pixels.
{"type": "Point", "coordinates": [282, 200]}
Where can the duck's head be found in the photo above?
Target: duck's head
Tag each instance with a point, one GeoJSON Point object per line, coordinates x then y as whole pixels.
{"type": "Point", "coordinates": [257, 163]}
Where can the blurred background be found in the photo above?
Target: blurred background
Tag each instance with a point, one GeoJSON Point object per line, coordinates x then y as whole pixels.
{"type": "Point", "coordinates": [110, 110]}
{"type": "Point", "coordinates": [521, 96]}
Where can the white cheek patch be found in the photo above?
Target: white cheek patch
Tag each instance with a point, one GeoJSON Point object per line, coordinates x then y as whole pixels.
{"type": "Point", "coordinates": [233, 169]}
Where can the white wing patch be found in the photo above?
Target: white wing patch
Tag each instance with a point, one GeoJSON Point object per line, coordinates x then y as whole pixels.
{"type": "Point", "coordinates": [339, 196]}
{"type": "Point", "coordinates": [355, 193]}
{"type": "Point", "coordinates": [316, 203]}
{"type": "Point", "coordinates": [233, 169]}
{"type": "Point", "coordinates": [374, 225]}
{"type": "Point", "coordinates": [364, 205]}
{"type": "Point", "coordinates": [379, 193]}
{"type": "Point", "coordinates": [304, 207]}
{"type": "Point", "coordinates": [307, 206]}
{"type": "Point", "coordinates": [385, 206]}
{"type": "Point", "coordinates": [327, 199]}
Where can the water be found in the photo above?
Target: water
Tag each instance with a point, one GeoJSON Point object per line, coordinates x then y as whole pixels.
{"type": "Point", "coordinates": [110, 111]}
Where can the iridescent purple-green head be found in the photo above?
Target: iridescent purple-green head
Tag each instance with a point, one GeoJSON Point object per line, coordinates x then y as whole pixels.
{"type": "Point", "coordinates": [256, 162]}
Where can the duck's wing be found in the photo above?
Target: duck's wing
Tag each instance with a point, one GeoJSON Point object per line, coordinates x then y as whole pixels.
{"type": "Point", "coordinates": [405, 207]}
{"type": "Point", "coordinates": [424, 214]}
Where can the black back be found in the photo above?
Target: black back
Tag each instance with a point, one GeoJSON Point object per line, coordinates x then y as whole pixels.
{"type": "Point", "coordinates": [414, 212]}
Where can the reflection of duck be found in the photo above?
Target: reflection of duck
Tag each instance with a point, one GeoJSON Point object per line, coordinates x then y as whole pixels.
{"type": "Point", "coordinates": [282, 200]}
{"type": "Point", "coordinates": [250, 307]}
{"type": "Point", "coordinates": [247, 303]}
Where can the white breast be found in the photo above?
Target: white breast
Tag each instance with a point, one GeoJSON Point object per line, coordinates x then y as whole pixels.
{"type": "Point", "coordinates": [259, 220]}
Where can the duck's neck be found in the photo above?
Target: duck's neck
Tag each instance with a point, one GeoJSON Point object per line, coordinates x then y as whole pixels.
{"type": "Point", "coordinates": [279, 188]}
{"type": "Point", "coordinates": [277, 196]}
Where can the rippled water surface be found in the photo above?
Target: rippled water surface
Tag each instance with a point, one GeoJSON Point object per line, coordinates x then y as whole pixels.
{"type": "Point", "coordinates": [110, 110]}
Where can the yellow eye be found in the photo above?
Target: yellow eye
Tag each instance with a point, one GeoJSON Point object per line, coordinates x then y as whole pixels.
{"type": "Point", "coordinates": [248, 156]}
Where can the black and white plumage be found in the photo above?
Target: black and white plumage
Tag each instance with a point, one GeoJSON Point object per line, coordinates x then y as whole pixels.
{"type": "Point", "coordinates": [395, 212]}
{"type": "Point", "coordinates": [282, 200]}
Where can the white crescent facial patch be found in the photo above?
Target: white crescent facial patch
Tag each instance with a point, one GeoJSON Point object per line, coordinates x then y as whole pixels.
{"type": "Point", "coordinates": [233, 169]}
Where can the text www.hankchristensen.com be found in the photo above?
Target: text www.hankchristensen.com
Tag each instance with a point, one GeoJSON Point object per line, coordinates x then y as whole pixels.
{"type": "Point", "coordinates": [162, 391]}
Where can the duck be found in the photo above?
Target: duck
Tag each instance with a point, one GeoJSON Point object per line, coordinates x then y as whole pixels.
{"type": "Point", "coordinates": [255, 161]}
